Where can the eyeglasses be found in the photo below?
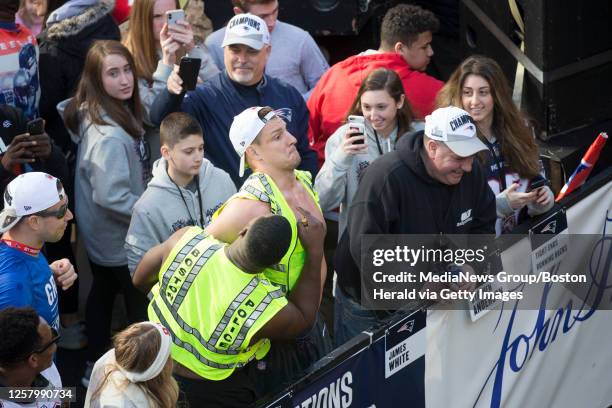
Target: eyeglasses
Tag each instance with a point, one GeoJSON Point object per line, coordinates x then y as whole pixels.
{"type": "Point", "coordinates": [55, 336]}
{"type": "Point", "coordinates": [59, 214]}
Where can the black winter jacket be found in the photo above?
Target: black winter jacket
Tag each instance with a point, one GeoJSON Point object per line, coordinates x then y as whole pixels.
{"type": "Point", "coordinates": [397, 196]}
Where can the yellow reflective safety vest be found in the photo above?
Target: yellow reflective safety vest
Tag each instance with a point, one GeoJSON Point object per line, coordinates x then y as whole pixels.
{"type": "Point", "coordinates": [211, 307]}
{"type": "Point", "coordinates": [261, 187]}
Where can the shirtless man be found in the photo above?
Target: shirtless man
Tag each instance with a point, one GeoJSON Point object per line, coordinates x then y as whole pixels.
{"type": "Point", "coordinates": [262, 141]}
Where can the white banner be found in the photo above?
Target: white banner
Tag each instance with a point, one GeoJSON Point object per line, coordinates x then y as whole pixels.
{"type": "Point", "coordinates": [557, 356]}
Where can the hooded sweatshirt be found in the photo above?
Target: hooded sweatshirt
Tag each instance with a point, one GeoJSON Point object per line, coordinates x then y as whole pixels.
{"type": "Point", "coordinates": [161, 210]}
{"type": "Point", "coordinates": [398, 196]}
{"type": "Point", "coordinates": [111, 174]}
{"type": "Point", "coordinates": [339, 177]}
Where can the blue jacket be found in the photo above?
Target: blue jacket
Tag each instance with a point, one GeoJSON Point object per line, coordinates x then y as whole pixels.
{"type": "Point", "coordinates": [215, 103]}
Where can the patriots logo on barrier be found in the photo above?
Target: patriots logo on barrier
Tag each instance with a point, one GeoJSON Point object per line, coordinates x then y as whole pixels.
{"type": "Point", "coordinates": [552, 228]}
{"type": "Point", "coordinates": [408, 326]}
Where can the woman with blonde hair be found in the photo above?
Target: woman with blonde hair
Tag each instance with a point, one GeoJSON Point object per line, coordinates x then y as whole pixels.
{"type": "Point", "coordinates": [137, 372]}
{"type": "Point", "coordinates": [156, 47]}
{"type": "Point", "coordinates": [512, 163]}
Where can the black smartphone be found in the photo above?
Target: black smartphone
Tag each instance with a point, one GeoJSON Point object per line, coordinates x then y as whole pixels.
{"type": "Point", "coordinates": [537, 184]}
{"type": "Point", "coordinates": [36, 126]}
{"type": "Point", "coordinates": [189, 69]}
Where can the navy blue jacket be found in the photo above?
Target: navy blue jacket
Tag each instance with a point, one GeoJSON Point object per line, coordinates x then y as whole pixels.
{"type": "Point", "coordinates": [215, 103]}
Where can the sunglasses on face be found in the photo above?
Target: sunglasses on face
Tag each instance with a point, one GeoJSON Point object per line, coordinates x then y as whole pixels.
{"type": "Point", "coordinates": [55, 336]}
{"type": "Point", "coordinates": [59, 214]}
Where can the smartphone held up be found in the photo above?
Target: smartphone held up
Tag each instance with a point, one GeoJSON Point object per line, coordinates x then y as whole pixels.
{"type": "Point", "coordinates": [189, 68]}
{"type": "Point", "coordinates": [357, 124]}
{"type": "Point", "coordinates": [36, 126]}
{"type": "Point", "coordinates": [174, 16]}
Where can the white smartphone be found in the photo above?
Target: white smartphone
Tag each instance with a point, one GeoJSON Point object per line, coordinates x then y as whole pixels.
{"type": "Point", "coordinates": [357, 123]}
{"type": "Point", "coordinates": [173, 16]}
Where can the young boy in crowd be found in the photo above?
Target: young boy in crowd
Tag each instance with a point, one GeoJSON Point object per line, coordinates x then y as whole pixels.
{"type": "Point", "coordinates": [186, 188]}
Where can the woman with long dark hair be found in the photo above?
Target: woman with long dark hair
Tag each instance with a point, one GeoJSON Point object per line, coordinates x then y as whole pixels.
{"type": "Point", "coordinates": [382, 102]}
{"type": "Point", "coordinates": [112, 171]}
{"type": "Point", "coordinates": [512, 163]}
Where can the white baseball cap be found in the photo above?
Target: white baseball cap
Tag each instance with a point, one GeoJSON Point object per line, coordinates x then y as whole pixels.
{"type": "Point", "coordinates": [245, 128]}
{"type": "Point", "coordinates": [28, 194]}
{"type": "Point", "coordinates": [247, 29]}
{"type": "Point", "coordinates": [455, 127]}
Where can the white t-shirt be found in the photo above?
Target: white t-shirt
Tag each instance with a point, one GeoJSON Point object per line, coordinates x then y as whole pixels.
{"type": "Point", "coordinates": [55, 381]}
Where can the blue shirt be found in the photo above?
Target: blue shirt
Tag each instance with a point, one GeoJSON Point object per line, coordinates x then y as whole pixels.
{"type": "Point", "coordinates": [27, 280]}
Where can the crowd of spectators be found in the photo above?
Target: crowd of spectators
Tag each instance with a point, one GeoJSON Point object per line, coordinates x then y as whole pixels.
{"type": "Point", "coordinates": [207, 209]}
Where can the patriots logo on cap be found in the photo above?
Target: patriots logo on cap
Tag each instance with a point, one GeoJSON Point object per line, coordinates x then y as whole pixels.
{"type": "Point", "coordinates": [7, 124]}
{"type": "Point", "coordinates": [27, 207]}
{"type": "Point", "coordinates": [242, 143]}
{"type": "Point", "coordinates": [284, 113]}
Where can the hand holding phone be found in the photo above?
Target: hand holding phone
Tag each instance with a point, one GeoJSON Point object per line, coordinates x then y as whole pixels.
{"type": "Point", "coordinates": [173, 16]}
{"type": "Point", "coordinates": [357, 124]}
{"type": "Point", "coordinates": [18, 152]}
{"type": "Point", "coordinates": [36, 126]}
{"type": "Point", "coordinates": [189, 69]}
{"type": "Point", "coordinates": [537, 184]}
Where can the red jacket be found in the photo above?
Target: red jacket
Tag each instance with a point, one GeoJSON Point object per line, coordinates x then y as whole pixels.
{"type": "Point", "coordinates": [333, 95]}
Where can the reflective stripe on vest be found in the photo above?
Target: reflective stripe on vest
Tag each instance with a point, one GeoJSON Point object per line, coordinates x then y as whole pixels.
{"type": "Point", "coordinates": [211, 307]}
{"type": "Point", "coordinates": [262, 188]}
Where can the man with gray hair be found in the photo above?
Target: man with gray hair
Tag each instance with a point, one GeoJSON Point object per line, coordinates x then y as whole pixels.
{"type": "Point", "coordinates": [430, 184]}
{"type": "Point", "coordinates": [295, 57]}
{"type": "Point", "coordinates": [243, 83]}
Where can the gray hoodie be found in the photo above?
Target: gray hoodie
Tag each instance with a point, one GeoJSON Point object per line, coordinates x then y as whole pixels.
{"type": "Point", "coordinates": [338, 179]}
{"type": "Point", "coordinates": [110, 177]}
{"type": "Point", "coordinates": [161, 210]}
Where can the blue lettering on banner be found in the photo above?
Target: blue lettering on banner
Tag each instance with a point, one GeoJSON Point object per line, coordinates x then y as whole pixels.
{"type": "Point", "coordinates": [545, 331]}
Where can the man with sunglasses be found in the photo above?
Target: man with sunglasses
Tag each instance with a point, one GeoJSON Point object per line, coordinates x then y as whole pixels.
{"type": "Point", "coordinates": [35, 211]}
{"type": "Point", "coordinates": [27, 346]}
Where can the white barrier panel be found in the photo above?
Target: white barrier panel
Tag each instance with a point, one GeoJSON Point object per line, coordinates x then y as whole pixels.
{"type": "Point", "coordinates": [558, 356]}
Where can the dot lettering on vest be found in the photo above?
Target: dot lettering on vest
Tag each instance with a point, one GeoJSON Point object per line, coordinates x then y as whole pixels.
{"type": "Point", "coordinates": [234, 326]}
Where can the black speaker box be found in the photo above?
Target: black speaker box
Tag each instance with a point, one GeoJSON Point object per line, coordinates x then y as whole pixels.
{"type": "Point", "coordinates": [319, 17]}
{"type": "Point", "coordinates": [568, 56]}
